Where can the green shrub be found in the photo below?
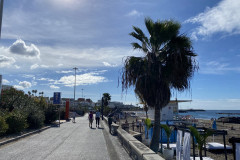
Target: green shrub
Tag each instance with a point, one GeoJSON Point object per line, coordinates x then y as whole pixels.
{"type": "Point", "coordinates": [3, 126]}
{"type": "Point", "coordinates": [16, 121]}
{"type": "Point", "coordinates": [62, 113]}
{"type": "Point", "coordinates": [35, 119]}
{"type": "Point", "coordinates": [51, 115]}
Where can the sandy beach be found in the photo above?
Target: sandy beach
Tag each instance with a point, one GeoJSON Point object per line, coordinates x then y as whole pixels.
{"type": "Point", "coordinates": [233, 130]}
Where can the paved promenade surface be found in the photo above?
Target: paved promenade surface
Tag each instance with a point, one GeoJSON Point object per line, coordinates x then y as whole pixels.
{"type": "Point", "coordinates": [71, 141]}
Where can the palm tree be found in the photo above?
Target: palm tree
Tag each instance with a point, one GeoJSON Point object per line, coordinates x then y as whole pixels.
{"type": "Point", "coordinates": [200, 138]}
{"type": "Point", "coordinates": [34, 91]}
{"type": "Point", "coordinates": [41, 93]}
{"type": "Point", "coordinates": [106, 98]}
{"type": "Point", "coordinates": [168, 64]}
{"type": "Point", "coordinates": [145, 107]}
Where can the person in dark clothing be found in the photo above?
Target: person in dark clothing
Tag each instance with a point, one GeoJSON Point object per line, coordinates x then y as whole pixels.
{"type": "Point", "coordinates": [90, 117]}
{"type": "Point", "coordinates": [109, 122]}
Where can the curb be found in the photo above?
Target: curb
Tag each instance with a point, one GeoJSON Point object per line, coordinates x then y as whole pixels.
{"type": "Point", "coordinates": [22, 136]}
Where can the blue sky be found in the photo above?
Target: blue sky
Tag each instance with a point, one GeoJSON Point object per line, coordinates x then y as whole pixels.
{"type": "Point", "coordinates": [42, 40]}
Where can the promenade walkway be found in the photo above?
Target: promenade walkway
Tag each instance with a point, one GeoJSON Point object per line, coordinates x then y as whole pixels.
{"type": "Point", "coordinates": [70, 141]}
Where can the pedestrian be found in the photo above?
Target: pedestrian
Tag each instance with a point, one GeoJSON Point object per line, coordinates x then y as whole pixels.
{"type": "Point", "coordinates": [137, 124]}
{"type": "Point", "coordinates": [97, 118]}
{"type": "Point", "coordinates": [74, 116]}
{"type": "Point", "coordinates": [90, 117]}
{"type": "Point", "coordinates": [109, 122]}
{"type": "Point", "coordinates": [133, 125]}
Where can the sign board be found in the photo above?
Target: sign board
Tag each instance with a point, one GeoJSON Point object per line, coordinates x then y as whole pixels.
{"type": "Point", "coordinates": [57, 98]}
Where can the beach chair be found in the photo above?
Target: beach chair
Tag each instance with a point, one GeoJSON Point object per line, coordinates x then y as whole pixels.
{"type": "Point", "coordinates": [215, 146]}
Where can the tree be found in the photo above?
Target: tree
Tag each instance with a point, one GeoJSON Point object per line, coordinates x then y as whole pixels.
{"type": "Point", "coordinates": [169, 63]}
{"type": "Point", "coordinates": [106, 98]}
{"type": "Point", "coordinates": [200, 138]}
{"type": "Point", "coordinates": [145, 107]}
{"type": "Point", "coordinates": [41, 93]}
{"type": "Point", "coordinates": [35, 92]}
{"type": "Point", "coordinates": [13, 98]}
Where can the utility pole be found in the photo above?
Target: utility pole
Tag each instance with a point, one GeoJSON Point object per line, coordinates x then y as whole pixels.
{"type": "Point", "coordinates": [1, 15]}
{"type": "Point", "coordinates": [75, 68]}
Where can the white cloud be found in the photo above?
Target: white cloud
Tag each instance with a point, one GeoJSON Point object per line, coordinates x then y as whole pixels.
{"type": "Point", "coordinates": [64, 71]}
{"type": "Point", "coordinates": [45, 79]}
{"type": "Point", "coordinates": [215, 67]}
{"type": "Point", "coordinates": [134, 13]}
{"type": "Point", "coordinates": [109, 65]}
{"type": "Point", "coordinates": [83, 58]}
{"type": "Point", "coordinates": [17, 67]}
{"type": "Point", "coordinates": [82, 79]}
{"type": "Point", "coordinates": [222, 18]}
{"type": "Point", "coordinates": [25, 84]}
{"type": "Point", "coordinates": [4, 81]}
{"type": "Point", "coordinates": [28, 76]}
{"type": "Point", "coordinates": [63, 4]}
{"type": "Point", "coordinates": [6, 61]}
{"type": "Point", "coordinates": [35, 66]}
{"type": "Point", "coordinates": [22, 85]}
{"type": "Point", "coordinates": [54, 87]}
{"type": "Point", "coordinates": [19, 47]}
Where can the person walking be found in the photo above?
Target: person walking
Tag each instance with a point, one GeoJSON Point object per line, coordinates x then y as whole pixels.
{"type": "Point", "coordinates": [90, 117]}
{"type": "Point", "coordinates": [74, 116]}
{"type": "Point", "coordinates": [98, 114]}
{"type": "Point", "coordinates": [110, 122]}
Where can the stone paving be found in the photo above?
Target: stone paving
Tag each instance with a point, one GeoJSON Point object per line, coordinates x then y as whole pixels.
{"type": "Point", "coordinates": [70, 141]}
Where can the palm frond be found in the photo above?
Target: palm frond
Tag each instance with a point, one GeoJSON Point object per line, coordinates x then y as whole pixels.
{"type": "Point", "coordinates": [136, 46]}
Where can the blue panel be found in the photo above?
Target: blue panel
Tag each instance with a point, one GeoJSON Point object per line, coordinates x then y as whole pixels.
{"type": "Point", "coordinates": [57, 98]}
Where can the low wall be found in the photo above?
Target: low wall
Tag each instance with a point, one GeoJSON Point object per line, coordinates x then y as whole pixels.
{"type": "Point", "coordinates": [136, 149]}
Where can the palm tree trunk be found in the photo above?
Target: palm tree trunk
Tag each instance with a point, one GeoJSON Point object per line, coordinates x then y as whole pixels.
{"type": "Point", "coordinates": [200, 154]}
{"type": "Point", "coordinates": [154, 145]}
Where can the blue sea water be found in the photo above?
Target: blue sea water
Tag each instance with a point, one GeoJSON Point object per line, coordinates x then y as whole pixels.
{"type": "Point", "coordinates": [208, 114]}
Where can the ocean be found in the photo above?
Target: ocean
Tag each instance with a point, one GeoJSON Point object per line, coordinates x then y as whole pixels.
{"type": "Point", "coordinates": [207, 114]}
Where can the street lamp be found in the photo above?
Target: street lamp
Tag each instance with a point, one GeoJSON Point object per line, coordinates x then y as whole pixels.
{"type": "Point", "coordinates": [75, 68]}
{"type": "Point", "coordinates": [102, 108]}
{"type": "Point", "coordinates": [1, 15]}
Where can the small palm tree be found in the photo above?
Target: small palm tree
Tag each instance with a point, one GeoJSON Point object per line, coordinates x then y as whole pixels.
{"type": "Point", "coordinates": [148, 124]}
{"type": "Point", "coordinates": [168, 63]}
{"type": "Point", "coordinates": [168, 131]}
{"type": "Point", "coordinates": [200, 138]}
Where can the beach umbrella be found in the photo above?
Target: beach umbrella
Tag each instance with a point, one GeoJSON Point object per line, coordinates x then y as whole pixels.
{"type": "Point", "coordinates": [214, 125]}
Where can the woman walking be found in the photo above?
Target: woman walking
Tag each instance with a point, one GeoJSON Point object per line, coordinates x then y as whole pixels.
{"type": "Point", "coordinates": [90, 117]}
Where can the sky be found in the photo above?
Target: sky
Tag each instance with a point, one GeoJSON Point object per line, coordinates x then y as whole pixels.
{"type": "Point", "coordinates": [43, 40]}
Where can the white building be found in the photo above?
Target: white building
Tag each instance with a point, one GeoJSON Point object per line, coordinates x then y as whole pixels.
{"type": "Point", "coordinates": [169, 112]}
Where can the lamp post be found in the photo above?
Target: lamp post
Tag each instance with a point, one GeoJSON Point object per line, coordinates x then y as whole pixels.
{"type": "Point", "coordinates": [102, 108]}
{"type": "Point", "coordinates": [75, 68]}
{"type": "Point", "coordinates": [1, 15]}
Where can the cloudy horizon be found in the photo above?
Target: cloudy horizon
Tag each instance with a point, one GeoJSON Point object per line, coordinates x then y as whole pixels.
{"type": "Point", "coordinates": [43, 40]}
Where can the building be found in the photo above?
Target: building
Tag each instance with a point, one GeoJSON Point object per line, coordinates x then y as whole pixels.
{"type": "Point", "coordinates": [116, 104]}
{"type": "Point", "coordinates": [169, 112]}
